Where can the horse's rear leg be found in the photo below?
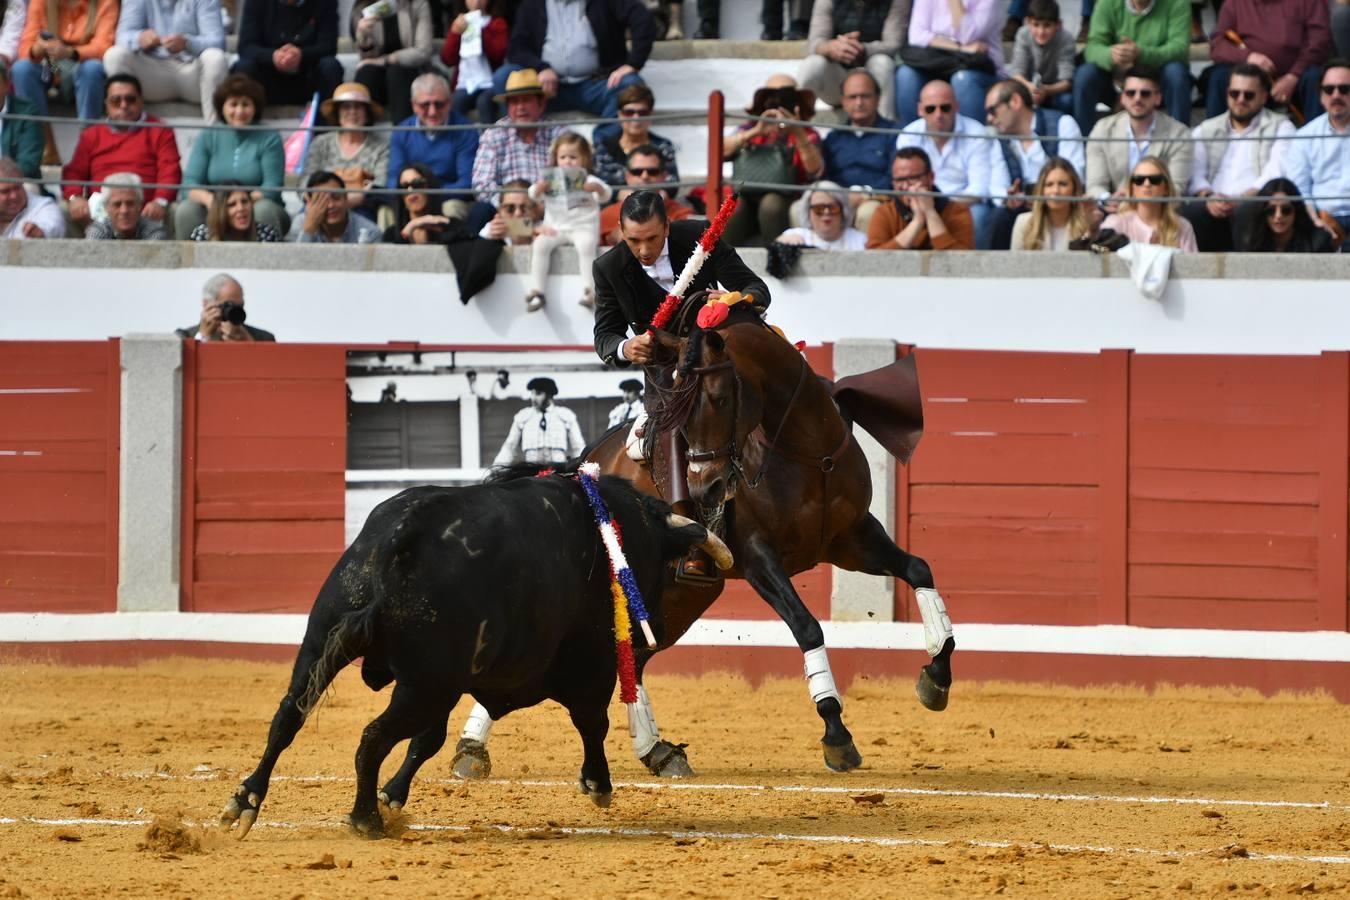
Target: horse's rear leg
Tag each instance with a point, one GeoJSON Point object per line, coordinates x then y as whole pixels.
{"type": "Point", "coordinates": [869, 549]}
{"type": "Point", "coordinates": [765, 573]}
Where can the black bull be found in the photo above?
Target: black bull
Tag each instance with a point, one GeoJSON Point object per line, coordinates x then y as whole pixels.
{"type": "Point", "coordinates": [501, 590]}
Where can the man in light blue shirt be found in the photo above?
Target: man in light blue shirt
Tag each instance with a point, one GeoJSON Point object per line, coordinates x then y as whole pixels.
{"type": "Point", "coordinates": [175, 47]}
{"type": "Point", "coordinates": [1319, 158]}
{"type": "Point", "coordinates": [960, 163]}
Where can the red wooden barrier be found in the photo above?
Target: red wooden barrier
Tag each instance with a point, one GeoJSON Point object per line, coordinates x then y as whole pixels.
{"type": "Point", "coordinates": [265, 437]}
{"type": "Point", "coordinates": [59, 443]}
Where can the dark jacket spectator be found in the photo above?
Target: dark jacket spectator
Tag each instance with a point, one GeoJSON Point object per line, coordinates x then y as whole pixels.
{"type": "Point", "coordinates": [1282, 224]}
{"type": "Point", "coordinates": [609, 19]}
{"type": "Point", "coordinates": [614, 143]}
{"type": "Point", "coordinates": [290, 50]}
{"type": "Point", "coordinates": [1288, 39]}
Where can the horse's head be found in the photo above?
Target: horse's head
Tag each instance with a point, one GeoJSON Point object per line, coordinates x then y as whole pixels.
{"type": "Point", "coordinates": [725, 408]}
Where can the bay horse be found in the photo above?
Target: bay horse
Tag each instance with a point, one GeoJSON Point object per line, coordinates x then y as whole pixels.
{"type": "Point", "coordinates": [771, 461]}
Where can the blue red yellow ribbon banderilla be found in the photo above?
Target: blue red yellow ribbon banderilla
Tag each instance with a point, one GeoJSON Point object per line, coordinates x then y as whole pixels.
{"type": "Point", "coordinates": [622, 586]}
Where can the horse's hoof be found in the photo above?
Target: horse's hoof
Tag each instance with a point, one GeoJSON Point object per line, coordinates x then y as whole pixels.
{"type": "Point", "coordinates": [387, 806]}
{"type": "Point", "coordinates": [931, 694]}
{"type": "Point", "coordinates": [600, 798]}
{"type": "Point", "coordinates": [668, 761]}
{"type": "Point", "coordinates": [472, 762]}
{"type": "Point", "coordinates": [844, 758]}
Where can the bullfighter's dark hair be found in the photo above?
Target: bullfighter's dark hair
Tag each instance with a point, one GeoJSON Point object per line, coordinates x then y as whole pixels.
{"type": "Point", "coordinates": [643, 206]}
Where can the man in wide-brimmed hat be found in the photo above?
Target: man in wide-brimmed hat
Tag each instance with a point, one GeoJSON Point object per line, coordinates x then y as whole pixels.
{"type": "Point", "coordinates": [542, 432]}
{"type": "Point", "coordinates": [518, 148]}
{"type": "Point", "coordinates": [580, 49]}
{"type": "Point", "coordinates": [631, 405]}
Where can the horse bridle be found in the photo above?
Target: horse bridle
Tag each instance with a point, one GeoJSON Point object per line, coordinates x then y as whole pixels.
{"type": "Point", "coordinates": [732, 448]}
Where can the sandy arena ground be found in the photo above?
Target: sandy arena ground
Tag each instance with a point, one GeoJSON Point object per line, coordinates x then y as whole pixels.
{"type": "Point", "coordinates": [110, 780]}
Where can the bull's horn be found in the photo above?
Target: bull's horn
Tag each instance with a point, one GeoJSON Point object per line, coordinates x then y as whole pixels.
{"type": "Point", "coordinates": [711, 543]}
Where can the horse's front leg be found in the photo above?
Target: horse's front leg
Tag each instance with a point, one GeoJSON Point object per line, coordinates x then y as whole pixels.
{"type": "Point", "coordinates": [764, 571]}
{"type": "Point", "coordinates": [661, 757]}
{"type": "Point", "coordinates": [869, 549]}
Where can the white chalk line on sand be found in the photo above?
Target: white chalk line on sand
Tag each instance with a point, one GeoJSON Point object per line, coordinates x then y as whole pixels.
{"type": "Point", "coordinates": [795, 789]}
{"type": "Point", "coordinates": [781, 837]}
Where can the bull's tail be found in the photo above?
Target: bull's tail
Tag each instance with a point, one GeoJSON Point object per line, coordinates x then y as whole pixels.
{"type": "Point", "coordinates": [348, 640]}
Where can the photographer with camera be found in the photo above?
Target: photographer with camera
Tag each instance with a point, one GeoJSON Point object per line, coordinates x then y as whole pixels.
{"type": "Point", "coordinates": [223, 314]}
{"type": "Point", "coordinates": [769, 153]}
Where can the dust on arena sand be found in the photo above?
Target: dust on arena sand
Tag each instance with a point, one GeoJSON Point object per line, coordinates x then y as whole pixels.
{"type": "Point", "coordinates": [111, 778]}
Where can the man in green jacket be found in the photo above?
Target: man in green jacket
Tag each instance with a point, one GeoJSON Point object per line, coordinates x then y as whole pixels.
{"type": "Point", "coordinates": [1125, 33]}
{"type": "Point", "coordinates": [20, 140]}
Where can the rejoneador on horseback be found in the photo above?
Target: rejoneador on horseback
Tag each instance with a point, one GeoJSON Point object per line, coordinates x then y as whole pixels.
{"type": "Point", "coordinates": [744, 437]}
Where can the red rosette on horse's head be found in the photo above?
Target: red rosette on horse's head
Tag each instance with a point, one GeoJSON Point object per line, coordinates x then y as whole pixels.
{"type": "Point", "coordinates": [712, 315]}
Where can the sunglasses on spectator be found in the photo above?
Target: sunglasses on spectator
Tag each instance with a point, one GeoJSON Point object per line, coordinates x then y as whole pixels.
{"type": "Point", "coordinates": [935, 107]}
{"type": "Point", "coordinates": [1141, 93]}
{"type": "Point", "coordinates": [820, 209]}
{"type": "Point", "coordinates": [123, 99]}
{"type": "Point", "coordinates": [1241, 95]}
{"type": "Point", "coordinates": [513, 208]}
{"type": "Point", "coordinates": [630, 111]}
{"type": "Point", "coordinates": [1279, 209]}
{"type": "Point", "coordinates": [645, 170]}
{"type": "Point", "coordinates": [431, 104]}
{"type": "Point", "coordinates": [416, 183]}
{"type": "Point", "coordinates": [1341, 89]}
{"type": "Point", "coordinates": [1141, 180]}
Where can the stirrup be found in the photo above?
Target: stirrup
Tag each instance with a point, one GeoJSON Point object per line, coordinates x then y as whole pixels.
{"type": "Point", "coordinates": [711, 576]}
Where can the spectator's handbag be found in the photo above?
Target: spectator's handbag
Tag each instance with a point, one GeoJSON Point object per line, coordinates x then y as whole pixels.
{"type": "Point", "coordinates": [767, 163]}
{"type": "Point", "coordinates": [1108, 240]}
{"type": "Point", "coordinates": [939, 62]}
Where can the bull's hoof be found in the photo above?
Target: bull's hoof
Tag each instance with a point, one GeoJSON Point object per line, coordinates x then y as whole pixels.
{"type": "Point", "coordinates": [601, 797]}
{"type": "Point", "coordinates": [241, 808]}
{"type": "Point", "coordinates": [668, 760]}
{"type": "Point", "coordinates": [844, 758]}
{"type": "Point", "coordinates": [931, 694]}
{"type": "Point", "coordinates": [367, 826]}
{"type": "Point", "coordinates": [472, 762]}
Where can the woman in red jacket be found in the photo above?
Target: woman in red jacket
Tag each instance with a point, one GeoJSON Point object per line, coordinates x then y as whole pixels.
{"type": "Point", "coordinates": [476, 47]}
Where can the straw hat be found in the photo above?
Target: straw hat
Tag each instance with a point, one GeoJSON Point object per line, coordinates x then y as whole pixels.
{"type": "Point", "coordinates": [350, 92]}
{"type": "Point", "coordinates": [520, 83]}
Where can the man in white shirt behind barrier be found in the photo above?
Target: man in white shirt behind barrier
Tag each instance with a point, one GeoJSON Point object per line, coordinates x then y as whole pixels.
{"type": "Point", "coordinates": [542, 432]}
{"type": "Point", "coordinates": [1235, 154]}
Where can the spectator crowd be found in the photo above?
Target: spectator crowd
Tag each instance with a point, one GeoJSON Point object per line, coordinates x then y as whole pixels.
{"type": "Point", "coordinates": [907, 126]}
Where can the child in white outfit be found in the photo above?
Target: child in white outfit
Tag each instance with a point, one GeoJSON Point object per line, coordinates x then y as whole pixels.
{"type": "Point", "coordinates": [571, 216]}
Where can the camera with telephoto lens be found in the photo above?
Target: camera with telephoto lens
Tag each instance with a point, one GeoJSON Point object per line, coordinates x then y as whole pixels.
{"type": "Point", "coordinates": [232, 313]}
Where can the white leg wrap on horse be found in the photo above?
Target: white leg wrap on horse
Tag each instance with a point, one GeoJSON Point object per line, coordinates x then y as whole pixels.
{"type": "Point", "coordinates": [819, 678]}
{"type": "Point", "coordinates": [479, 725]}
{"type": "Point", "coordinates": [642, 724]}
{"type": "Point", "coordinates": [937, 625]}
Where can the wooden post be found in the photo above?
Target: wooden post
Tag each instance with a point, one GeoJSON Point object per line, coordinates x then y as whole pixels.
{"type": "Point", "coordinates": [1113, 486]}
{"type": "Point", "coordinates": [1334, 387]}
{"type": "Point", "coordinates": [716, 121]}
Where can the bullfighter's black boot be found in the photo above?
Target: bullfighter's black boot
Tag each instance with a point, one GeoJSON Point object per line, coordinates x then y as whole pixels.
{"type": "Point", "coordinates": [697, 566]}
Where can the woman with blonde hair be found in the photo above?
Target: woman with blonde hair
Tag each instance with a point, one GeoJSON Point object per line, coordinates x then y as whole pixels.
{"type": "Point", "coordinates": [1151, 221]}
{"type": "Point", "coordinates": [1053, 224]}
